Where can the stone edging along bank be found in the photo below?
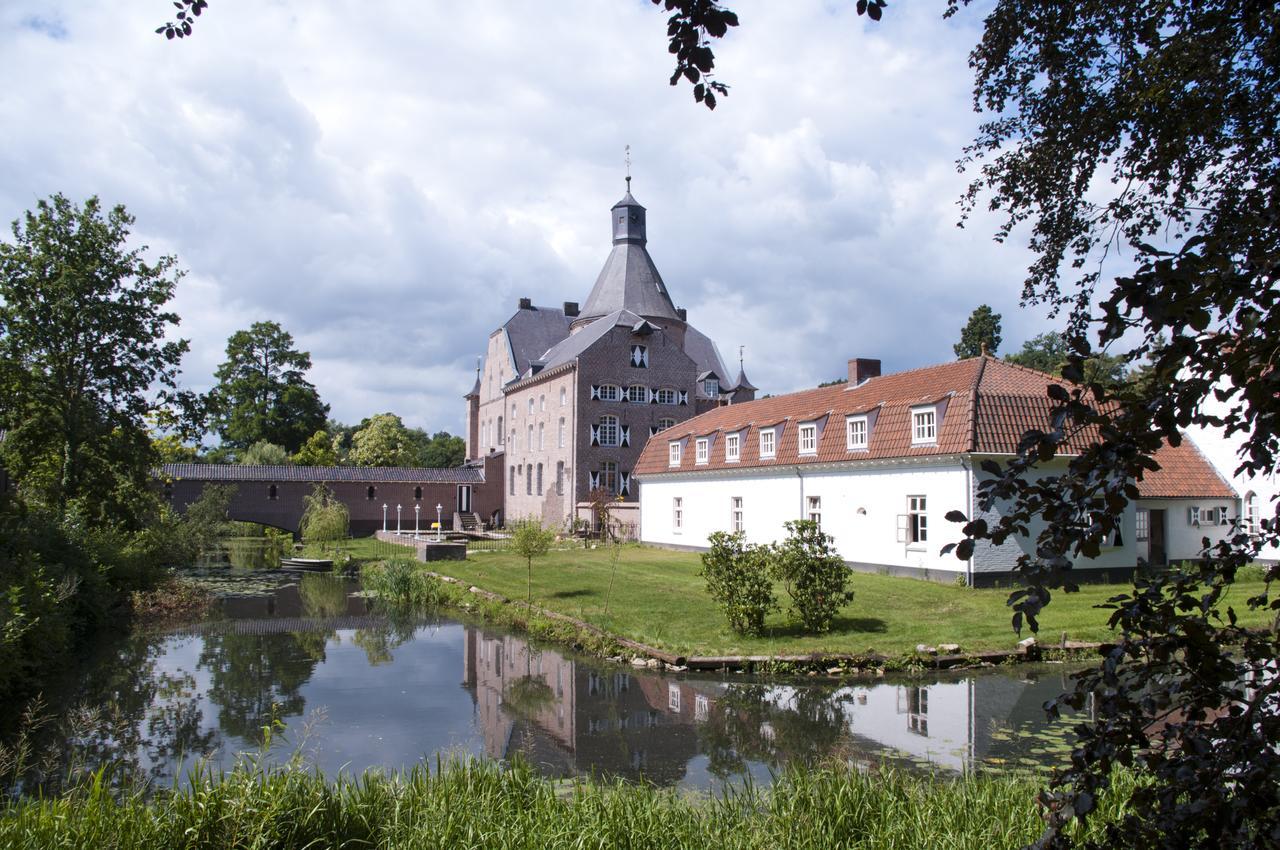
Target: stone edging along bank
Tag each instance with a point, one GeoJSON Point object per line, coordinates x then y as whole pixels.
{"type": "Point", "coordinates": [832, 664]}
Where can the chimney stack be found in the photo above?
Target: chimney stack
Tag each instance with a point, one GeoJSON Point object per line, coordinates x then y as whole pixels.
{"type": "Point", "coordinates": [861, 369]}
{"type": "Point", "coordinates": [526, 303]}
{"type": "Point", "coordinates": [571, 308]}
{"type": "Point", "coordinates": [683, 314]}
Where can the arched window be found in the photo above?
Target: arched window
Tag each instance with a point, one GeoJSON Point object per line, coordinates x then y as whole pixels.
{"type": "Point", "coordinates": [371, 492]}
{"type": "Point", "coordinates": [560, 434]}
{"type": "Point", "coordinates": [528, 440]}
{"type": "Point", "coordinates": [563, 396]}
{"type": "Point", "coordinates": [528, 479]}
{"type": "Point", "coordinates": [560, 478]}
{"type": "Point", "coordinates": [1251, 523]}
{"type": "Point", "coordinates": [530, 404]}
{"type": "Point", "coordinates": [417, 494]}
{"type": "Point", "coordinates": [540, 440]}
{"type": "Point", "coordinates": [608, 430]}
{"type": "Point", "coordinates": [501, 433]}
{"type": "Point", "coordinates": [511, 481]}
{"type": "Point", "coordinates": [542, 402]}
{"type": "Point", "coordinates": [539, 479]}
{"type": "Point", "coordinates": [272, 493]}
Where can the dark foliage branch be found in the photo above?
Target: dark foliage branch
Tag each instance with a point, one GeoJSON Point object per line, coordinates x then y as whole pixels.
{"type": "Point", "coordinates": [1147, 127]}
{"type": "Point", "coordinates": [180, 27]}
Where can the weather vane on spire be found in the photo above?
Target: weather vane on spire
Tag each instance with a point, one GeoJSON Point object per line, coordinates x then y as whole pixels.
{"type": "Point", "coordinates": [628, 158]}
{"type": "Point", "coordinates": [741, 348]}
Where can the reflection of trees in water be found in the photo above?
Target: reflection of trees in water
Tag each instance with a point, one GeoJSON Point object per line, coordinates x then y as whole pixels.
{"type": "Point", "coordinates": [323, 595]}
{"type": "Point", "coordinates": [122, 714]}
{"type": "Point", "coordinates": [762, 723]}
{"type": "Point", "coordinates": [398, 627]}
{"type": "Point", "coordinates": [258, 678]}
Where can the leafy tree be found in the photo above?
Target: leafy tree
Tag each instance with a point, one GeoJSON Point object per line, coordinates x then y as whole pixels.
{"type": "Point", "coordinates": [317, 451]}
{"type": "Point", "coordinates": [383, 441]}
{"type": "Point", "coordinates": [813, 573]}
{"type": "Point", "coordinates": [325, 519]}
{"type": "Point", "coordinates": [1050, 352]}
{"type": "Point", "coordinates": [83, 358]}
{"type": "Point", "coordinates": [263, 453]}
{"type": "Point", "coordinates": [737, 575]}
{"type": "Point", "coordinates": [981, 333]}
{"type": "Point", "coordinates": [261, 394]}
{"type": "Point", "coordinates": [530, 540]}
{"type": "Point", "coordinates": [443, 451]}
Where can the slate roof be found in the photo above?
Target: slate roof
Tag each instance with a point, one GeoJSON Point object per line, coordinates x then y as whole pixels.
{"type": "Point", "coordinates": [629, 281]}
{"type": "Point", "coordinates": [573, 346]}
{"type": "Point", "coordinates": [323, 474]}
{"type": "Point", "coordinates": [531, 332]}
{"type": "Point", "coordinates": [1184, 473]}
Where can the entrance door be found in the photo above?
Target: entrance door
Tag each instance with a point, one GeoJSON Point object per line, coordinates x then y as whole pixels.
{"type": "Point", "coordinates": [1158, 556]}
{"type": "Point", "coordinates": [464, 498]}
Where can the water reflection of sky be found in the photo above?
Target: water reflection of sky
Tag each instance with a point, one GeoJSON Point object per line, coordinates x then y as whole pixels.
{"type": "Point", "coordinates": [355, 691]}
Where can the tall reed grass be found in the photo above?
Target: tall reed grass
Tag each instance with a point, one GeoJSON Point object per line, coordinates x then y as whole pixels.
{"type": "Point", "coordinates": [468, 804]}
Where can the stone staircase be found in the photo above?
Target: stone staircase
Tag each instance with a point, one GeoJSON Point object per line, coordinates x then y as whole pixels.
{"type": "Point", "coordinates": [470, 523]}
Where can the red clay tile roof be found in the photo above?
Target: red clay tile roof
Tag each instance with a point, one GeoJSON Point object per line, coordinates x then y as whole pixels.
{"type": "Point", "coordinates": [1184, 473]}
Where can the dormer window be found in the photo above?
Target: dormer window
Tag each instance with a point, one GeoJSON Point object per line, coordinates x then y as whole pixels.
{"type": "Point", "coordinates": [768, 442]}
{"type": "Point", "coordinates": [856, 433]}
{"type": "Point", "coordinates": [640, 356]}
{"type": "Point", "coordinates": [732, 447]}
{"type": "Point", "coordinates": [673, 453]}
{"type": "Point", "coordinates": [702, 451]}
{"type": "Point", "coordinates": [711, 386]}
{"type": "Point", "coordinates": [809, 438]}
{"type": "Point", "coordinates": [924, 425]}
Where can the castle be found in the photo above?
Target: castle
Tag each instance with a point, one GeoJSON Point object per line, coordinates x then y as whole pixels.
{"type": "Point", "coordinates": [569, 396]}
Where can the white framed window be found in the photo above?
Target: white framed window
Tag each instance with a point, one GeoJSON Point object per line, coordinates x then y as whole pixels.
{"type": "Point", "coordinates": [768, 443]}
{"type": "Point", "coordinates": [916, 526]}
{"type": "Point", "coordinates": [732, 447]}
{"type": "Point", "coordinates": [637, 394]}
{"type": "Point", "coordinates": [609, 432]}
{"type": "Point", "coordinates": [711, 386]}
{"type": "Point", "coordinates": [814, 509]}
{"type": "Point", "coordinates": [809, 438]}
{"type": "Point", "coordinates": [673, 696]}
{"type": "Point", "coordinates": [702, 450]}
{"type": "Point", "coordinates": [924, 425]}
{"type": "Point", "coordinates": [1251, 514]}
{"type": "Point", "coordinates": [677, 514]}
{"type": "Point", "coordinates": [856, 433]}
{"type": "Point", "coordinates": [609, 476]}
{"type": "Point", "coordinates": [673, 453]}
{"type": "Point", "coordinates": [1142, 525]}
{"type": "Point", "coordinates": [560, 434]}
{"type": "Point", "coordinates": [666, 396]}
{"type": "Point", "coordinates": [640, 356]}
{"type": "Point", "coordinates": [610, 392]}
{"type": "Point", "coordinates": [666, 422]}
{"type": "Point", "coordinates": [735, 513]}
{"type": "Point", "coordinates": [564, 397]}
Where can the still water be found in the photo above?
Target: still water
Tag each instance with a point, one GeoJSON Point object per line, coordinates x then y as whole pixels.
{"type": "Point", "coordinates": [347, 689]}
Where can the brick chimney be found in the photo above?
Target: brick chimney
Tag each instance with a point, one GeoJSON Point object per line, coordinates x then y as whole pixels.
{"type": "Point", "coordinates": [861, 369]}
{"type": "Point", "coordinates": [526, 303]}
{"type": "Point", "coordinates": [571, 308]}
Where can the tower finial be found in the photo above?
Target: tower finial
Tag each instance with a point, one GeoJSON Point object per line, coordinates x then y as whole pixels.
{"type": "Point", "coordinates": [741, 348]}
{"type": "Point", "coordinates": [628, 158]}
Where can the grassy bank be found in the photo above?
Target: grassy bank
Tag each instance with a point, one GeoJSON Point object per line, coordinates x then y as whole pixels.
{"type": "Point", "coordinates": [659, 599]}
{"type": "Point", "coordinates": [483, 806]}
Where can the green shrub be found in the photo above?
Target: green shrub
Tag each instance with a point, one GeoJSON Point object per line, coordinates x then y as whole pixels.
{"type": "Point", "coordinates": [813, 573]}
{"type": "Point", "coordinates": [737, 575]}
{"type": "Point", "coordinates": [406, 583]}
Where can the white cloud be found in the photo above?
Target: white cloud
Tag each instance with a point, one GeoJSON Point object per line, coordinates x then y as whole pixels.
{"type": "Point", "coordinates": [386, 179]}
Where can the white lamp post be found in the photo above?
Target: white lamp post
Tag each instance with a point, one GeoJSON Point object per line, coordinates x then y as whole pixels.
{"type": "Point", "coordinates": [397, 519]}
{"type": "Point", "coordinates": [417, 510]}
{"type": "Point", "coordinates": [384, 517]}
{"type": "Point", "coordinates": [439, 508]}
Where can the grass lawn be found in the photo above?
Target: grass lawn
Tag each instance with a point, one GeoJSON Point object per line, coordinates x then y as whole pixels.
{"type": "Point", "coordinates": [659, 599]}
{"type": "Point", "coordinates": [361, 549]}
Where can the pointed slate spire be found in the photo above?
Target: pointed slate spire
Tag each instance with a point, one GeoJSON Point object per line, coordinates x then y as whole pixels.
{"type": "Point", "coordinates": [629, 279]}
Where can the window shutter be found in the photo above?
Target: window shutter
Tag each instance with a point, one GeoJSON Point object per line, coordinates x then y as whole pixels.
{"type": "Point", "coordinates": [653, 396]}
{"type": "Point", "coordinates": [595, 393]}
{"type": "Point", "coordinates": [626, 435]}
{"type": "Point", "coordinates": [1222, 517]}
{"type": "Point", "coordinates": [684, 397]}
{"type": "Point", "coordinates": [624, 483]}
{"type": "Point", "coordinates": [595, 435]}
{"type": "Point", "coordinates": [593, 480]}
{"type": "Point", "coordinates": [902, 528]}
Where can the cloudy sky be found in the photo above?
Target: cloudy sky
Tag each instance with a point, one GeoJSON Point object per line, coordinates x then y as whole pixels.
{"type": "Point", "coordinates": [387, 179]}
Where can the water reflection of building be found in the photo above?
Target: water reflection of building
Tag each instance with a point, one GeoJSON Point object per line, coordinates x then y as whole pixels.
{"type": "Point", "coordinates": [570, 719]}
